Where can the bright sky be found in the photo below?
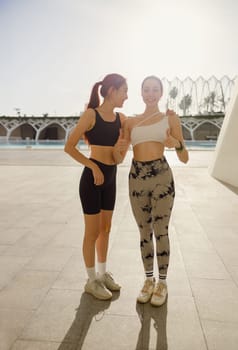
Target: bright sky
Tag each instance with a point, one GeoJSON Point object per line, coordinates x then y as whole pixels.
{"type": "Point", "coordinates": [53, 51]}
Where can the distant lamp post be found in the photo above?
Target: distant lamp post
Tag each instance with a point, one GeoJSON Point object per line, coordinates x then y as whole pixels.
{"type": "Point", "coordinates": [18, 110]}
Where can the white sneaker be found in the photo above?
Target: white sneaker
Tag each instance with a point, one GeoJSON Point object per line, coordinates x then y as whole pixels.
{"type": "Point", "coordinates": [109, 282]}
{"type": "Point", "coordinates": [146, 291]}
{"type": "Point", "coordinates": [160, 294]}
{"type": "Point", "coordinates": [97, 289]}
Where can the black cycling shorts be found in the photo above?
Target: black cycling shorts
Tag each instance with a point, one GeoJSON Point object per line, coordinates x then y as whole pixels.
{"type": "Point", "coordinates": [95, 198]}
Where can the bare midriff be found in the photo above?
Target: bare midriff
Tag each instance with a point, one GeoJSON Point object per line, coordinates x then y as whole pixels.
{"type": "Point", "coordinates": [147, 151]}
{"type": "Point", "coordinates": [103, 154]}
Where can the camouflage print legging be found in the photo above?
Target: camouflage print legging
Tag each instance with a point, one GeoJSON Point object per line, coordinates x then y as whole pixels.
{"type": "Point", "coordinates": [151, 190]}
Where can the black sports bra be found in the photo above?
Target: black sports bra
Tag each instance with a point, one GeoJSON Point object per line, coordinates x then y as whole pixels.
{"type": "Point", "coordinates": [104, 133]}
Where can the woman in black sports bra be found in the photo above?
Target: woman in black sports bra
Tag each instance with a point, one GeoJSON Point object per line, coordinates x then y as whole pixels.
{"type": "Point", "coordinates": [151, 185]}
{"type": "Point", "coordinates": [102, 129]}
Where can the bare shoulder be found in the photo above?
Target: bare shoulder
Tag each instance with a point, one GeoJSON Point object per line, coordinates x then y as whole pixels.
{"type": "Point", "coordinates": [87, 119]}
{"type": "Point", "coordinates": [132, 121]}
{"type": "Point", "coordinates": [88, 114]}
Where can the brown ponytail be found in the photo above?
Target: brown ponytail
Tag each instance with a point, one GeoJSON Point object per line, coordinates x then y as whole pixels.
{"type": "Point", "coordinates": [110, 80]}
{"type": "Point", "coordinates": [94, 100]}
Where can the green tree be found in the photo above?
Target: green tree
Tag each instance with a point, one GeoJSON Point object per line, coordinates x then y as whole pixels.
{"type": "Point", "coordinates": [185, 103]}
{"type": "Point", "coordinates": [212, 102]}
{"type": "Point", "coordinates": [173, 93]}
{"type": "Point", "coordinates": [172, 96]}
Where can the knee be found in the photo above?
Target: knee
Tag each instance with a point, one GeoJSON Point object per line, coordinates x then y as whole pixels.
{"type": "Point", "coordinates": [105, 229]}
{"type": "Point", "coordinates": [91, 236]}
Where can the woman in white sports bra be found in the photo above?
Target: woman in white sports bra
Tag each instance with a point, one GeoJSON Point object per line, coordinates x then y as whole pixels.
{"type": "Point", "coordinates": [151, 185]}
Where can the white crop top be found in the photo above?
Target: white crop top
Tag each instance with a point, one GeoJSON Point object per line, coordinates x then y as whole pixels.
{"type": "Point", "coordinates": [153, 132]}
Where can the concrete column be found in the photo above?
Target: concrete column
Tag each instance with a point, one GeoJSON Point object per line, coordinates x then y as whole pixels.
{"type": "Point", "coordinates": [225, 163]}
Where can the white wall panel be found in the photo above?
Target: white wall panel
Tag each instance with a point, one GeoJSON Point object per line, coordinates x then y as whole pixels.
{"type": "Point", "coordinates": [225, 164]}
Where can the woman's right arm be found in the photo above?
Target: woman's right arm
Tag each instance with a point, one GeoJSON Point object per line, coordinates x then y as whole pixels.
{"type": "Point", "coordinates": [86, 122]}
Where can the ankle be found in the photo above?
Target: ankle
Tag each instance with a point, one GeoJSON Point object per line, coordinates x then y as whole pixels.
{"type": "Point", "coordinates": [91, 273]}
{"type": "Point", "coordinates": [101, 268]}
{"type": "Point", "coordinates": [149, 278]}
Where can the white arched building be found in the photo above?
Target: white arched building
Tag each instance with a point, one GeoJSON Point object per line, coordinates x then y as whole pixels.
{"type": "Point", "coordinates": [58, 128]}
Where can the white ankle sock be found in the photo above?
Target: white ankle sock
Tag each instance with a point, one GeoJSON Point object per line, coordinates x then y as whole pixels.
{"type": "Point", "coordinates": [150, 278]}
{"type": "Point", "coordinates": [91, 273]}
{"type": "Point", "coordinates": [149, 275]}
{"type": "Point", "coordinates": [101, 268]}
{"type": "Point", "coordinates": [163, 281]}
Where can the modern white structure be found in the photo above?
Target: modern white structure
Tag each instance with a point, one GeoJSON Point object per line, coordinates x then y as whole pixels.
{"type": "Point", "coordinates": [37, 128]}
{"type": "Point", "coordinates": [225, 164]}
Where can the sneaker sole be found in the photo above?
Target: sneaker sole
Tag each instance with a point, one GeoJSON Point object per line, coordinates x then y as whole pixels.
{"type": "Point", "coordinates": [115, 289]}
{"type": "Point", "coordinates": [158, 304]}
{"type": "Point", "coordinates": [143, 301]}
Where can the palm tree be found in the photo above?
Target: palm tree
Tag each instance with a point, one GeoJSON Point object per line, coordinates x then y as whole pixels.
{"type": "Point", "coordinates": [206, 103]}
{"type": "Point", "coordinates": [222, 100]}
{"type": "Point", "coordinates": [185, 103]}
{"type": "Point", "coordinates": [173, 94]}
{"type": "Point", "coordinates": [212, 101]}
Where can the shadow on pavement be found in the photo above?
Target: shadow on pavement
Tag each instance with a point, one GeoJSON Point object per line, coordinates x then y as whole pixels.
{"type": "Point", "coordinates": [230, 187]}
{"type": "Point", "coordinates": [88, 309]}
{"type": "Point", "coordinates": [158, 315]}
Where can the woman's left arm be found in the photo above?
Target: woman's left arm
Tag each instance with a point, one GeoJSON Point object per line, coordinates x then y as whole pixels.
{"type": "Point", "coordinates": [175, 138]}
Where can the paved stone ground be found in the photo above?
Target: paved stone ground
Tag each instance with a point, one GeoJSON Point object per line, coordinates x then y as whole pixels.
{"type": "Point", "coordinates": [42, 303]}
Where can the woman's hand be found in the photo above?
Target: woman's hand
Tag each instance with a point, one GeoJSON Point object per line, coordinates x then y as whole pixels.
{"type": "Point", "coordinates": [97, 175]}
{"type": "Point", "coordinates": [170, 141]}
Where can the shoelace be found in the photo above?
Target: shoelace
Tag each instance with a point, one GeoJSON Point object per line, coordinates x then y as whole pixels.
{"type": "Point", "coordinates": [159, 289]}
{"type": "Point", "coordinates": [109, 274]}
{"type": "Point", "coordinates": [100, 283]}
{"type": "Point", "coordinates": [146, 286]}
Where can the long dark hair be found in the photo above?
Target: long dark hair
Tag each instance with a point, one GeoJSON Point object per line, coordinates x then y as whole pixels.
{"type": "Point", "coordinates": [110, 80]}
{"type": "Point", "coordinates": [155, 78]}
